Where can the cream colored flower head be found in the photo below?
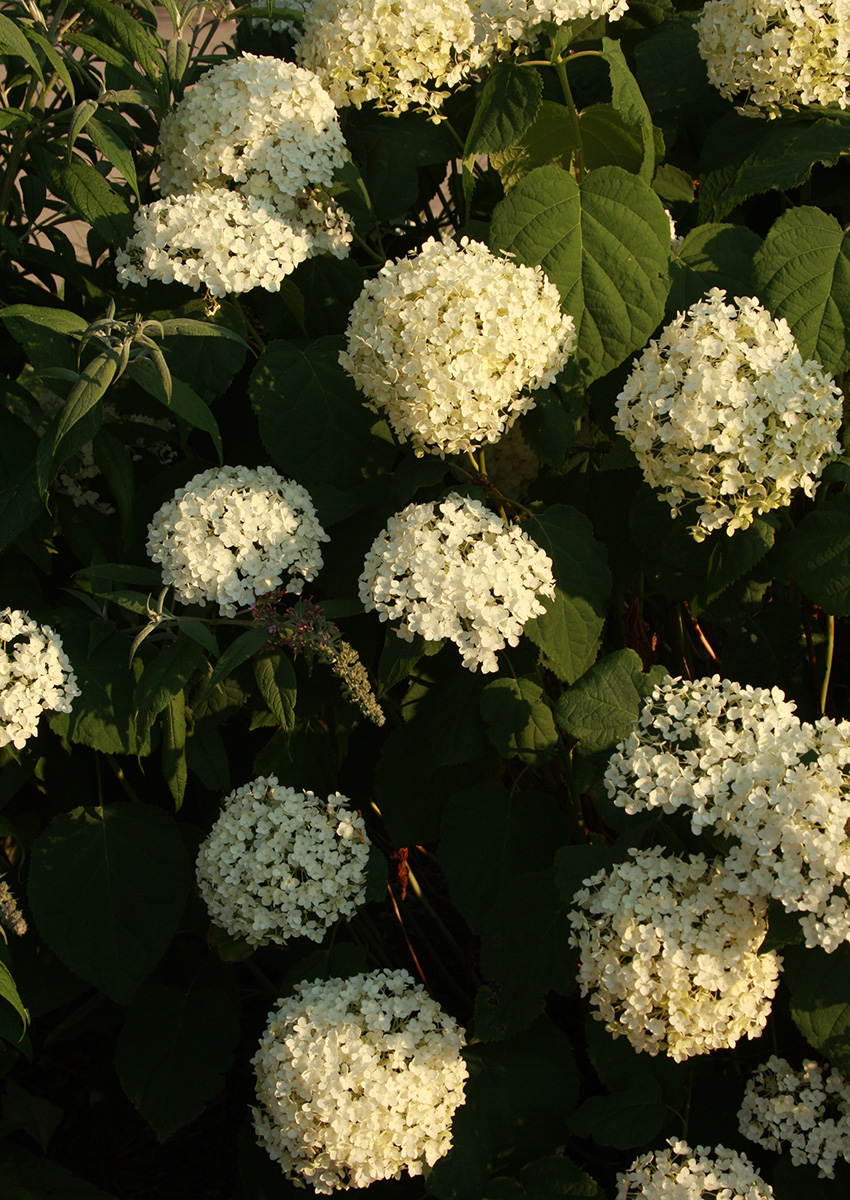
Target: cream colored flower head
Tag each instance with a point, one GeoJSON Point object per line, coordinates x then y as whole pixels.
{"type": "Point", "coordinates": [681, 1173]}
{"type": "Point", "coordinates": [781, 54]}
{"type": "Point", "coordinates": [358, 1080]}
{"type": "Point", "coordinates": [449, 343]}
{"type": "Point", "coordinates": [505, 23]}
{"type": "Point", "coordinates": [258, 123]}
{"type": "Point", "coordinates": [36, 676]}
{"type": "Point", "coordinates": [669, 954]}
{"type": "Point", "coordinates": [280, 864]}
{"type": "Point", "coordinates": [232, 534]}
{"type": "Point", "coordinates": [740, 762]}
{"type": "Point", "coordinates": [804, 1111]}
{"type": "Point", "coordinates": [401, 53]}
{"type": "Point", "coordinates": [725, 418]}
{"type": "Point", "coordinates": [454, 569]}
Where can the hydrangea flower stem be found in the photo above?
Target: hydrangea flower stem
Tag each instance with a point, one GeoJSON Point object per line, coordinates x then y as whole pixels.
{"type": "Point", "coordinates": [578, 153]}
{"type": "Point", "coordinates": [827, 670]}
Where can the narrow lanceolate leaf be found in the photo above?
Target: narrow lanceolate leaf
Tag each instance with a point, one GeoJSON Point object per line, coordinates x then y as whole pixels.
{"type": "Point", "coordinates": [164, 678]}
{"type": "Point", "coordinates": [58, 319]}
{"type": "Point", "coordinates": [606, 249]}
{"type": "Point", "coordinates": [275, 678]}
{"type": "Point", "coordinates": [116, 463]}
{"type": "Point", "coordinates": [113, 150]}
{"type": "Point", "coordinates": [246, 646]}
{"type": "Point", "coordinates": [107, 889]}
{"type": "Point", "coordinates": [91, 387]}
{"type": "Point", "coordinates": [137, 39]}
{"type": "Point", "coordinates": [508, 105]}
{"type": "Point", "coordinates": [176, 59]}
{"type": "Point", "coordinates": [176, 1047]}
{"type": "Point", "coordinates": [174, 766]}
{"type": "Point", "coordinates": [803, 274]}
{"type": "Point", "coordinates": [96, 201]}
{"type": "Point", "coordinates": [9, 992]}
{"type": "Point", "coordinates": [187, 327]}
{"type": "Point", "coordinates": [13, 40]}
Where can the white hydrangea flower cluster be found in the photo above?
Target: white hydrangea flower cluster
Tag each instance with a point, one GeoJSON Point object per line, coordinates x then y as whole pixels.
{"type": "Point", "coordinates": [807, 1111]}
{"type": "Point", "coordinates": [402, 53]}
{"type": "Point", "coordinates": [215, 239]}
{"type": "Point", "coordinates": [248, 157]}
{"type": "Point", "coordinates": [744, 765]}
{"type": "Point", "coordinates": [279, 864]}
{"type": "Point", "coordinates": [454, 569]}
{"type": "Point", "coordinates": [507, 22]}
{"type": "Point", "coordinates": [684, 1174]}
{"type": "Point", "coordinates": [722, 410]}
{"type": "Point", "coordinates": [449, 341]}
{"type": "Point", "coordinates": [784, 53]}
{"type": "Point", "coordinates": [232, 534]}
{"type": "Point", "coordinates": [357, 1080]}
{"type": "Point", "coordinates": [35, 676]}
{"type": "Point", "coordinates": [669, 953]}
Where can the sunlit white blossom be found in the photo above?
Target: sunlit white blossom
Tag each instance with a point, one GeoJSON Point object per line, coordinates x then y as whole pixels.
{"type": "Point", "coordinates": [781, 54]}
{"type": "Point", "coordinates": [503, 23]}
{"type": "Point", "coordinates": [36, 676]}
{"type": "Point", "coordinates": [806, 1111]}
{"type": "Point", "coordinates": [232, 534]}
{"type": "Point", "coordinates": [669, 954]}
{"type": "Point", "coordinates": [681, 1173]}
{"type": "Point", "coordinates": [449, 343]}
{"type": "Point", "coordinates": [358, 1080]}
{"type": "Point", "coordinates": [724, 416]}
{"type": "Point", "coordinates": [280, 864]}
{"type": "Point", "coordinates": [454, 569]}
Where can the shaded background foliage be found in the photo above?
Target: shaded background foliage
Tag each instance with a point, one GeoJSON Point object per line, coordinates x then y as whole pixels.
{"type": "Point", "coordinates": [129, 1025]}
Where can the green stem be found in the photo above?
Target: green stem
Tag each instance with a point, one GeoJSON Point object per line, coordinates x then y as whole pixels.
{"type": "Point", "coordinates": [123, 780]}
{"type": "Point", "coordinates": [578, 153]}
{"type": "Point", "coordinates": [827, 670]}
{"type": "Point", "coordinates": [364, 245]}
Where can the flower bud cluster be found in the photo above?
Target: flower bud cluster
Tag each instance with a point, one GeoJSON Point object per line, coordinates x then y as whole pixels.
{"type": "Point", "coordinates": [684, 1174]}
{"type": "Point", "coordinates": [743, 764]}
{"type": "Point", "coordinates": [806, 1111]}
{"type": "Point", "coordinates": [401, 53]}
{"type": "Point", "coordinates": [449, 342]}
{"type": "Point", "coordinates": [454, 569]}
{"type": "Point", "coordinates": [232, 534]}
{"type": "Point", "coordinates": [280, 864]}
{"type": "Point", "coordinates": [722, 412]}
{"type": "Point", "coordinates": [35, 676]}
{"type": "Point", "coordinates": [669, 952]}
{"type": "Point", "coordinates": [248, 157]}
{"type": "Point", "coordinates": [358, 1080]}
{"type": "Point", "coordinates": [785, 54]}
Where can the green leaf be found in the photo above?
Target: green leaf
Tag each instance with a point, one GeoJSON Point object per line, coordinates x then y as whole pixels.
{"type": "Point", "coordinates": [487, 836]}
{"type": "Point", "coordinates": [200, 633]}
{"type": "Point", "coordinates": [102, 716]}
{"type": "Point", "coordinates": [174, 766]}
{"type": "Point", "coordinates": [508, 105]}
{"type": "Point", "coordinates": [239, 651]}
{"type": "Point", "coordinates": [59, 319]}
{"type": "Point", "coordinates": [817, 555]}
{"type": "Point", "coordinates": [628, 101]}
{"type": "Point", "coordinates": [80, 117]}
{"type": "Point", "coordinates": [192, 328]}
{"type": "Point", "coordinates": [608, 140]}
{"type": "Point", "coordinates": [820, 1000]}
{"type": "Point", "coordinates": [389, 149]}
{"type": "Point", "coordinates": [107, 888]}
{"type": "Point", "coordinates": [13, 40]}
{"type": "Point", "coordinates": [519, 720]}
{"type": "Point", "coordinates": [625, 1119]}
{"type": "Point", "coordinates": [135, 37]}
{"type": "Point", "coordinates": [275, 678]}
{"type": "Point", "coordinates": [25, 1176]}
{"type": "Point", "coordinates": [670, 70]}
{"type": "Point", "coordinates": [673, 185]}
{"type": "Point", "coordinates": [803, 275]}
{"type": "Point", "coordinates": [56, 60]}
{"type": "Point", "coordinates": [163, 679]}
{"type": "Point", "coordinates": [518, 1096]}
{"type": "Point", "coordinates": [568, 632]}
{"type": "Point", "coordinates": [712, 256]}
{"type": "Point", "coordinates": [549, 139]}
{"type": "Point", "coordinates": [20, 502]}
{"type": "Point", "coordinates": [184, 401]}
{"type": "Point", "coordinates": [553, 425]}
{"type": "Point", "coordinates": [114, 151]}
{"type": "Point", "coordinates": [607, 251]}
{"type": "Point", "coordinates": [525, 950]}
{"type": "Point", "coordinates": [603, 706]}
{"type": "Point", "coordinates": [742, 157]}
{"type": "Point", "coordinates": [303, 395]}
{"type": "Point", "coordinates": [114, 460]}
{"type": "Point", "coordinates": [9, 993]}
{"type": "Point", "coordinates": [177, 55]}
{"type": "Point", "coordinates": [96, 201]}
{"type": "Point", "coordinates": [175, 1049]}
{"type": "Point", "coordinates": [549, 1178]}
